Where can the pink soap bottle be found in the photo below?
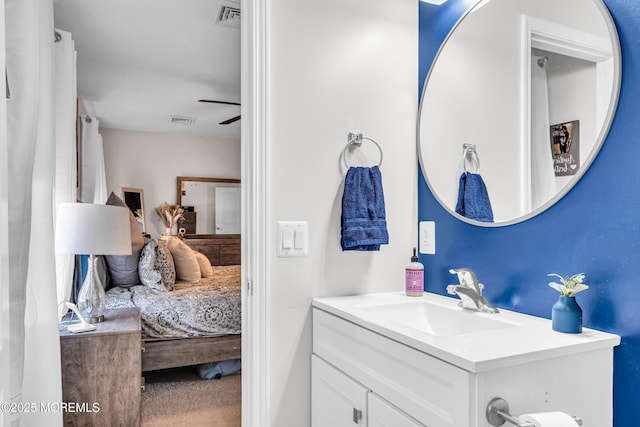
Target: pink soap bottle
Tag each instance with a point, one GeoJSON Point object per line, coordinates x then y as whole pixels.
{"type": "Point", "coordinates": [414, 277]}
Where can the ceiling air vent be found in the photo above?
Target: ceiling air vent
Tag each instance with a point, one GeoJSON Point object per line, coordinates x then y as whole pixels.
{"type": "Point", "coordinates": [228, 15]}
{"type": "Point", "coordinates": [182, 120]}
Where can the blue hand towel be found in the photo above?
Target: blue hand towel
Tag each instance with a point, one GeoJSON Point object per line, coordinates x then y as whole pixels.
{"type": "Point", "coordinates": [364, 224]}
{"type": "Point", "coordinates": [473, 199]}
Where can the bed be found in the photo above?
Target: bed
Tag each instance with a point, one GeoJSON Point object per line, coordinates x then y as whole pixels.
{"type": "Point", "coordinates": [198, 321]}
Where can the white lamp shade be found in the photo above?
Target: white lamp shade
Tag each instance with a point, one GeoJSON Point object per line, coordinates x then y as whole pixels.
{"type": "Point", "coordinates": [90, 229]}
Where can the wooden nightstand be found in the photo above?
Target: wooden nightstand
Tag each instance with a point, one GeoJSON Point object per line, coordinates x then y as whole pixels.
{"type": "Point", "coordinates": [101, 372]}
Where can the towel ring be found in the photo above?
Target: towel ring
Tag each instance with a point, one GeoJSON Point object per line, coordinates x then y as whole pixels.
{"type": "Point", "coordinates": [470, 151]}
{"type": "Point", "coordinates": [355, 140]}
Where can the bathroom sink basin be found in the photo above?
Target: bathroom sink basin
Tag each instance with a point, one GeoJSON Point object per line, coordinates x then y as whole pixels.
{"type": "Point", "coordinates": [474, 341]}
{"type": "Point", "coordinates": [435, 319]}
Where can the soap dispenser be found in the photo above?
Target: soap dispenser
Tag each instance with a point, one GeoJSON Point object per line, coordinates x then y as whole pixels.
{"type": "Point", "coordinates": [414, 277]}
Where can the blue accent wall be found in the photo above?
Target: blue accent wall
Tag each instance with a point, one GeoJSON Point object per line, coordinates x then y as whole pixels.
{"type": "Point", "coordinates": [594, 229]}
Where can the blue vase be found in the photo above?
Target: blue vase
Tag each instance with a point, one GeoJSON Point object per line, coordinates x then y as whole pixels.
{"type": "Point", "coordinates": [566, 315]}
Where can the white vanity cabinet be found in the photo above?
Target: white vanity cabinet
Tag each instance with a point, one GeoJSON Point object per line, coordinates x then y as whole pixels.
{"type": "Point", "coordinates": [427, 389]}
{"type": "Point", "coordinates": [340, 401]}
{"type": "Point", "coordinates": [384, 414]}
{"type": "Point", "coordinates": [336, 399]}
{"type": "Point", "coordinates": [374, 366]}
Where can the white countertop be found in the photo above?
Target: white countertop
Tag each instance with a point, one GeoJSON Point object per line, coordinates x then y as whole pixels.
{"type": "Point", "coordinates": [526, 339]}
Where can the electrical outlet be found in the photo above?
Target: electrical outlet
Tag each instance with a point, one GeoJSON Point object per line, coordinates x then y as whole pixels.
{"type": "Point", "coordinates": [427, 231]}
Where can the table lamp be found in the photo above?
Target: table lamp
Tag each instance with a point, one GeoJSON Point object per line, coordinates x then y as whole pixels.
{"type": "Point", "coordinates": [90, 229]}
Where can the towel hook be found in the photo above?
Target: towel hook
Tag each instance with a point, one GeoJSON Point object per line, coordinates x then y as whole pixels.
{"type": "Point", "coordinates": [355, 140]}
{"type": "Point", "coordinates": [469, 150]}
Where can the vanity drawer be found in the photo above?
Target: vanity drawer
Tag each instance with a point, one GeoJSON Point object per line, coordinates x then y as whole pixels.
{"type": "Point", "coordinates": [432, 391]}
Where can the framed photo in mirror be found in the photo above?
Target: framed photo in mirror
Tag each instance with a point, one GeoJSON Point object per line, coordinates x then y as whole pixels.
{"type": "Point", "coordinates": [134, 199]}
{"type": "Point", "coordinates": [565, 146]}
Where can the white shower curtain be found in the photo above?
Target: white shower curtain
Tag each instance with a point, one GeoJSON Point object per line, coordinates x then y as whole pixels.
{"type": "Point", "coordinates": [33, 332]}
{"type": "Point", "coordinates": [5, 360]}
{"type": "Point", "coordinates": [65, 159]}
{"type": "Point", "coordinates": [543, 180]}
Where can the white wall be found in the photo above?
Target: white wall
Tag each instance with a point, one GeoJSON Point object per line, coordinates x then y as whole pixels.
{"type": "Point", "coordinates": [152, 161]}
{"type": "Point", "coordinates": [335, 66]}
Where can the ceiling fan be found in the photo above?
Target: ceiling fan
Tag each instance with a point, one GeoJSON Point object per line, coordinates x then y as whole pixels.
{"type": "Point", "coordinates": [228, 121]}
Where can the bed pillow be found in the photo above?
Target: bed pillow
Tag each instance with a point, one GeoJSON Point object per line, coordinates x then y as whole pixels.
{"type": "Point", "coordinates": [149, 276]}
{"type": "Point", "coordinates": [205, 265]}
{"type": "Point", "coordinates": [165, 264]}
{"type": "Point", "coordinates": [123, 269]}
{"type": "Point", "coordinates": [155, 267]}
{"type": "Point", "coordinates": [184, 260]}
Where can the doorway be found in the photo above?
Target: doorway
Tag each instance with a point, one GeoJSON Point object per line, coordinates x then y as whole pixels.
{"type": "Point", "coordinates": [119, 21]}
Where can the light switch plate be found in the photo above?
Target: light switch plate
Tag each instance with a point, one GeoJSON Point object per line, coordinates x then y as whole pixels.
{"type": "Point", "coordinates": [296, 243]}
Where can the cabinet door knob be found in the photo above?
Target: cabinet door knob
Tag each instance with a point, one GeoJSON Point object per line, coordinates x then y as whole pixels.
{"type": "Point", "coordinates": [357, 415]}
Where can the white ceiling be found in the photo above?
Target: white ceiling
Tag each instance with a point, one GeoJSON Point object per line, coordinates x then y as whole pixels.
{"type": "Point", "coordinates": [141, 61]}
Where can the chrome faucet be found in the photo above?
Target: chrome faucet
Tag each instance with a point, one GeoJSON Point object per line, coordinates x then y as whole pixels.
{"type": "Point", "coordinates": [470, 291]}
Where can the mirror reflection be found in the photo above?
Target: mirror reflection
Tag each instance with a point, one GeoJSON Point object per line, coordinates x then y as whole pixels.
{"type": "Point", "coordinates": [532, 85]}
{"type": "Point", "coordinates": [212, 205]}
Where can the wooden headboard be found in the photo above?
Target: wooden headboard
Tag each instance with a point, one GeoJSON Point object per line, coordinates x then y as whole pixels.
{"type": "Point", "coordinates": [221, 249]}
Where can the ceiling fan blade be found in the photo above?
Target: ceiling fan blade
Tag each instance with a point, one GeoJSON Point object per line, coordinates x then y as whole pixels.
{"type": "Point", "coordinates": [229, 121]}
{"type": "Point", "coordinates": [218, 102]}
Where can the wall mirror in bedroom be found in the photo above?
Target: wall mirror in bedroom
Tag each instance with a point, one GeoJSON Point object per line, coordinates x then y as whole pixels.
{"type": "Point", "coordinates": [212, 205]}
{"type": "Point", "coordinates": [533, 85]}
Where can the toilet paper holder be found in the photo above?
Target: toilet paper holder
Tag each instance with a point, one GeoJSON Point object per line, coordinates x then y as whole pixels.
{"type": "Point", "coordinates": [498, 413]}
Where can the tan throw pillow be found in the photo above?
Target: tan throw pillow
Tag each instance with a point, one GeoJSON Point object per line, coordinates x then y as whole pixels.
{"type": "Point", "coordinates": [185, 262]}
{"type": "Point", "coordinates": [205, 265]}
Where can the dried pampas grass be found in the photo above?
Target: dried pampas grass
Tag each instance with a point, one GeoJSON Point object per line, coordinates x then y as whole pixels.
{"type": "Point", "coordinates": [169, 214]}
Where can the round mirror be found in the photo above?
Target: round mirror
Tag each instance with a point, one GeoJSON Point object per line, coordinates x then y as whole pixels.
{"type": "Point", "coordinates": [516, 106]}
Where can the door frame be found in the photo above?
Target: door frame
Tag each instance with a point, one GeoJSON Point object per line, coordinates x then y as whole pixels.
{"type": "Point", "coordinates": [255, 215]}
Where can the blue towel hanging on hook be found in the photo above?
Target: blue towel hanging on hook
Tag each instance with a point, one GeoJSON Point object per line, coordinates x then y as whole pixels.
{"type": "Point", "coordinates": [364, 224]}
{"type": "Point", "coordinates": [473, 198]}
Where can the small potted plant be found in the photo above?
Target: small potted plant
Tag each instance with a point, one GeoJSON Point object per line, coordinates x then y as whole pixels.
{"type": "Point", "coordinates": [566, 314]}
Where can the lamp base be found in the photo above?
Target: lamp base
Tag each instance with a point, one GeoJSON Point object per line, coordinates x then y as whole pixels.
{"type": "Point", "coordinates": [91, 297]}
{"type": "Point", "coordinates": [97, 319]}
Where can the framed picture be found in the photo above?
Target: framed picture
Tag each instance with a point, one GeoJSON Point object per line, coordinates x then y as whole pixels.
{"type": "Point", "coordinates": [134, 199]}
{"type": "Point", "coordinates": [565, 147]}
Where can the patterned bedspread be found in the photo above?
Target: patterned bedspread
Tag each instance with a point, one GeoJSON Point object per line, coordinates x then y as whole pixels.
{"type": "Point", "coordinates": [206, 307]}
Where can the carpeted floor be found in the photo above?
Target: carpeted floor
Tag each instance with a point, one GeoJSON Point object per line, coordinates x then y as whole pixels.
{"type": "Point", "coordinates": [178, 397]}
